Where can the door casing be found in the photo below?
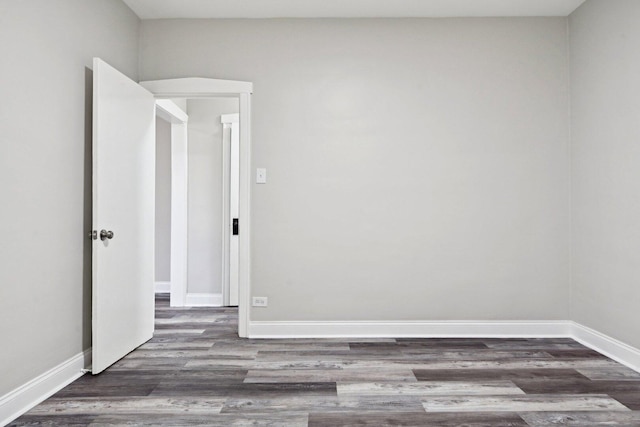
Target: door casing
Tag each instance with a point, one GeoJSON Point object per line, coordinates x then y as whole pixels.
{"type": "Point", "coordinates": [195, 87]}
{"type": "Point", "coordinates": [230, 177]}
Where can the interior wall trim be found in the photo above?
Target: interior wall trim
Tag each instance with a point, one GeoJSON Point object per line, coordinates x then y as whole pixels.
{"type": "Point", "coordinates": [410, 329]}
{"type": "Point", "coordinates": [604, 344]}
{"type": "Point", "coordinates": [203, 300]}
{"type": "Point", "coordinates": [162, 287]}
{"type": "Point", "coordinates": [28, 395]}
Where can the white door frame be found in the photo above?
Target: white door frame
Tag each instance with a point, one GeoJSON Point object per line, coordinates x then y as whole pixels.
{"type": "Point", "coordinates": [230, 175]}
{"type": "Point", "coordinates": [212, 88]}
{"type": "Point", "coordinates": [178, 119]}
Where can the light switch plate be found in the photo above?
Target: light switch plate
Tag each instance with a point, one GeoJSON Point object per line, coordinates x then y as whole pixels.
{"type": "Point", "coordinates": [261, 176]}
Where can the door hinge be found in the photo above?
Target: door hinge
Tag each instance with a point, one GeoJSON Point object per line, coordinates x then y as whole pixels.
{"type": "Point", "coordinates": [235, 226]}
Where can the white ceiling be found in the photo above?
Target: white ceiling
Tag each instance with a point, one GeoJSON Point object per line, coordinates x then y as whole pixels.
{"type": "Point", "coordinates": [160, 9]}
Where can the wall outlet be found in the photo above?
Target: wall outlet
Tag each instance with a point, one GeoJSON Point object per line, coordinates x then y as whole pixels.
{"type": "Point", "coordinates": [260, 301]}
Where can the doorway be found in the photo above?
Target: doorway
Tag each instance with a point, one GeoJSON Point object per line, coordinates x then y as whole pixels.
{"type": "Point", "coordinates": [195, 87]}
{"type": "Point", "coordinates": [209, 163]}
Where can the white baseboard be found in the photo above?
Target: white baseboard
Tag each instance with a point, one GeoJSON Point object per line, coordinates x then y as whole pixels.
{"type": "Point", "coordinates": [203, 300]}
{"type": "Point", "coordinates": [25, 397]}
{"type": "Point", "coordinates": [162, 287]}
{"type": "Point", "coordinates": [610, 347]}
{"type": "Point", "coordinates": [410, 329]}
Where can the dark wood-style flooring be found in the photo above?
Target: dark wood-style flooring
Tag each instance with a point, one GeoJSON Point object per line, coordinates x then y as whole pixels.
{"type": "Point", "coordinates": [196, 371]}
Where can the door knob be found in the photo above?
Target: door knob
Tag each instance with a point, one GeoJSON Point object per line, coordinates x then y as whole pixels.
{"type": "Point", "coordinates": [104, 234]}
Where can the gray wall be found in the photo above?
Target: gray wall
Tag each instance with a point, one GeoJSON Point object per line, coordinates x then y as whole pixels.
{"type": "Point", "coordinates": [205, 193]}
{"type": "Point", "coordinates": [418, 169]}
{"type": "Point", "coordinates": [181, 102]}
{"type": "Point", "coordinates": [163, 201]}
{"type": "Point", "coordinates": [605, 127]}
{"type": "Point", "coordinates": [45, 168]}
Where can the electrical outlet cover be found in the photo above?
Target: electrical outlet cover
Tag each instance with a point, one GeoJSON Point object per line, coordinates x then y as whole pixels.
{"type": "Point", "coordinates": [260, 301]}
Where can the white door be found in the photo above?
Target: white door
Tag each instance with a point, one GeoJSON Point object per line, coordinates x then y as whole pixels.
{"type": "Point", "coordinates": [123, 215]}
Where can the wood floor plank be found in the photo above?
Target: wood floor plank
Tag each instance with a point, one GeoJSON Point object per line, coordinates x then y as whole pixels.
{"type": "Point", "coordinates": [495, 374]}
{"type": "Point", "coordinates": [178, 332]}
{"type": "Point", "coordinates": [324, 404]}
{"type": "Point", "coordinates": [107, 391]}
{"type": "Point", "coordinates": [335, 363]}
{"type": "Point", "coordinates": [57, 420]}
{"type": "Point", "coordinates": [130, 405]}
{"type": "Point", "coordinates": [410, 356]}
{"type": "Point", "coordinates": [458, 343]}
{"type": "Point", "coordinates": [533, 343]}
{"type": "Point", "coordinates": [122, 378]}
{"type": "Point", "coordinates": [616, 373]}
{"type": "Point", "coordinates": [629, 399]}
{"type": "Point", "coordinates": [515, 364]}
{"type": "Point", "coordinates": [572, 385]}
{"type": "Point", "coordinates": [414, 419]}
{"type": "Point", "coordinates": [169, 363]}
{"type": "Point", "coordinates": [169, 354]}
{"type": "Point", "coordinates": [293, 346]}
{"type": "Point", "coordinates": [426, 388]}
{"type": "Point", "coordinates": [220, 328]}
{"type": "Point", "coordinates": [180, 345]}
{"type": "Point", "coordinates": [221, 363]}
{"type": "Point", "coordinates": [480, 354]}
{"type": "Point", "coordinates": [525, 403]}
{"type": "Point", "coordinates": [215, 420]}
{"type": "Point", "coordinates": [575, 353]}
{"type": "Point", "coordinates": [252, 390]}
{"type": "Point", "coordinates": [328, 375]}
{"type": "Point", "coordinates": [582, 419]}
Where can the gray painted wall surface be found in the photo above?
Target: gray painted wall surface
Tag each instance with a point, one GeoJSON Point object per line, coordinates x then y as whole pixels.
{"type": "Point", "coordinates": [180, 102]}
{"type": "Point", "coordinates": [417, 169]}
{"type": "Point", "coordinates": [45, 168]}
{"type": "Point", "coordinates": [205, 193]}
{"type": "Point", "coordinates": [605, 127]}
{"type": "Point", "coordinates": [163, 201]}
